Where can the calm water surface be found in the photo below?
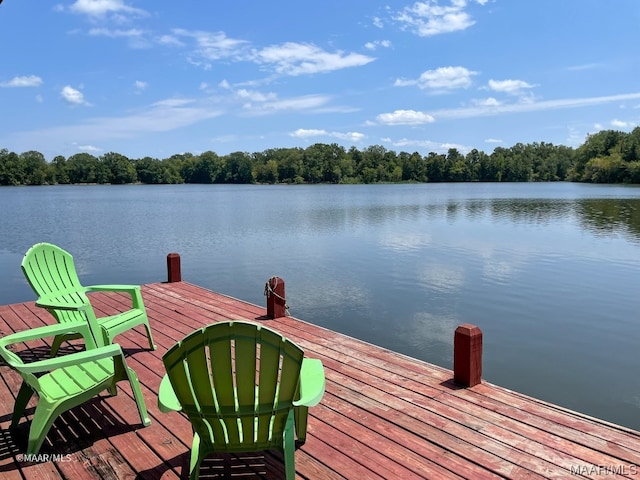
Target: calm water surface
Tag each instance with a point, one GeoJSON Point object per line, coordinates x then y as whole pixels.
{"type": "Point", "coordinates": [550, 272]}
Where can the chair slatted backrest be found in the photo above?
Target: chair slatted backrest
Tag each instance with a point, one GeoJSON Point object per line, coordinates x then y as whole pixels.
{"type": "Point", "coordinates": [236, 382]}
{"type": "Point", "coordinates": [51, 272]}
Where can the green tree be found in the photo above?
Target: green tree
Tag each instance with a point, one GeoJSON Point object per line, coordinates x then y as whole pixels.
{"type": "Point", "coordinates": [153, 171]}
{"type": "Point", "coordinates": [82, 167]}
{"type": "Point", "coordinates": [600, 144]}
{"type": "Point", "coordinates": [116, 169]}
{"type": "Point", "coordinates": [414, 167]}
{"type": "Point", "coordinates": [314, 162]}
{"type": "Point", "coordinates": [34, 168]}
{"type": "Point", "coordinates": [208, 167]}
{"type": "Point", "coordinates": [11, 170]}
{"type": "Point", "coordinates": [58, 170]}
{"type": "Point", "coordinates": [267, 172]}
{"type": "Point", "coordinates": [609, 169]}
{"type": "Point", "coordinates": [239, 168]}
{"type": "Point", "coordinates": [436, 168]}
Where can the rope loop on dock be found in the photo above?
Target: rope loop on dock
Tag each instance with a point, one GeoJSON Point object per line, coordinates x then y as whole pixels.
{"type": "Point", "coordinates": [268, 291]}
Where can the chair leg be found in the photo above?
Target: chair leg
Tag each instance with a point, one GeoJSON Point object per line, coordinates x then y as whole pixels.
{"type": "Point", "coordinates": [301, 415]}
{"type": "Point", "coordinates": [58, 340]}
{"type": "Point", "coordinates": [43, 418]}
{"type": "Point", "coordinates": [152, 346]}
{"type": "Point", "coordinates": [22, 399]}
{"type": "Point", "coordinates": [197, 455]}
{"type": "Point", "coordinates": [113, 389]}
{"type": "Point", "coordinates": [55, 345]}
{"type": "Point", "coordinates": [137, 394]}
{"type": "Point", "coordinates": [289, 447]}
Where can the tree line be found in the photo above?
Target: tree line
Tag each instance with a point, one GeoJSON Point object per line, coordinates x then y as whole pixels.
{"type": "Point", "coordinates": [608, 156]}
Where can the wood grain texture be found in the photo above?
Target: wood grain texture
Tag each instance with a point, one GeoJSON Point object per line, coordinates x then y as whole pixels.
{"type": "Point", "coordinates": [384, 415]}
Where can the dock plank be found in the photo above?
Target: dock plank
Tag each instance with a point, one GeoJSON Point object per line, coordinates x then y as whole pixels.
{"type": "Point", "coordinates": [384, 415]}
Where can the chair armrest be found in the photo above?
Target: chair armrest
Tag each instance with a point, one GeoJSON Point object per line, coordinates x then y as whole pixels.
{"type": "Point", "coordinates": [113, 288]}
{"type": "Point", "coordinates": [134, 292]}
{"type": "Point", "coordinates": [51, 364]}
{"type": "Point", "coordinates": [167, 400]}
{"type": "Point", "coordinates": [312, 383]}
{"type": "Point", "coordinates": [47, 331]}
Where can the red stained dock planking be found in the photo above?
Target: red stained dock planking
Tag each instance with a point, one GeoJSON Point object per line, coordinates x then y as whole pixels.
{"type": "Point", "coordinates": [384, 415]}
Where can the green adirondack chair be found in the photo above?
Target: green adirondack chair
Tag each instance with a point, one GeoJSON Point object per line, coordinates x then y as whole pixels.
{"type": "Point", "coordinates": [51, 272]}
{"type": "Point", "coordinates": [244, 387]}
{"type": "Point", "coordinates": [66, 381]}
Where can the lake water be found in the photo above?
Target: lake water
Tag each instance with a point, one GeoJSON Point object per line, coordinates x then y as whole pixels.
{"type": "Point", "coordinates": [550, 272]}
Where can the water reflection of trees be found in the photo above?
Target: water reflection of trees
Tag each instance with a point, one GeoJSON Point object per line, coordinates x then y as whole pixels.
{"type": "Point", "coordinates": [604, 216]}
{"type": "Point", "coordinates": [601, 216]}
{"type": "Point", "coordinates": [532, 211]}
{"type": "Point", "coordinates": [610, 216]}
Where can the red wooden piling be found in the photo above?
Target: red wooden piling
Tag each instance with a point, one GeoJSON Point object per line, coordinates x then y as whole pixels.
{"type": "Point", "coordinates": [173, 268]}
{"type": "Point", "coordinates": [467, 355]}
{"type": "Point", "coordinates": [276, 303]}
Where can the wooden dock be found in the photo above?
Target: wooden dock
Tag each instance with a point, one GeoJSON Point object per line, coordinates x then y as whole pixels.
{"type": "Point", "coordinates": [384, 415]}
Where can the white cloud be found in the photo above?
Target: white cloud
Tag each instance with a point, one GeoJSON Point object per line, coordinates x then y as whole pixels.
{"type": "Point", "coordinates": [487, 102]}
{"type": "Point", "coordinates": [441, 79]}
{"type": "Point", "coordinates": [26, 81]}
{"type": "Point", "coordinates": [289, 58]}
{"type": "Point", "coordinates": [102, 8]}
{"type": "Point", "coordinates": [308, 132]}
{"type": "Point", "coordinates": [377, 22]}
{"type": "Point", "coordinates": [428, 18]}
{"type": "Point", "coordinates": [106, 32]}
{"type": "Point", "coordinates": [405, 117]}
{"type": "Point", "coordinates": [493, 140]}
{"type": "Point", "coordinates": [255, 102]}
{"type": "Point", "coordinates": [73, 96]}
{"type": "Point", "coordinates": [173, 102]}
{"type": "Point", "coordinates": [377, 43]}
{"type": "Point", "coordinates": [170, 40]}
{"type": "Point", "coordinates": [586, 66]}
{"type": "Point", "coordinates": [255, 96]}
{"type": "Point", "coordinates": [349, 136]}
{"type": "Point", "coordinates": [509, 86]}
{"type": "Point", "coordinates": [312, 132]}
{"type": "Point", "coordinates": [575, 138]}
{"type": "Point", "coordinates": [163, 116]}
{"type": "Point", "coordinates": [305, 102]}
{"type": "Point", "coordinates": [622, 124]}
{"type": "Point", "coordinates": [531, 106]}
{"type": "Point", "coordinates": [89, 148]}
{"type": "Point", "coordinates": [140, 86]}
{"type": "Point", "coordinates": [214, 45]}
{"type": "Point", "coordinates": [295, 59]}
{"type": "Point", "coordinates": [429, 145]}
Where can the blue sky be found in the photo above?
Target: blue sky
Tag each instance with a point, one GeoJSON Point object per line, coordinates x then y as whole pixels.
{"type": "Point", "coordinates": [155, 78]}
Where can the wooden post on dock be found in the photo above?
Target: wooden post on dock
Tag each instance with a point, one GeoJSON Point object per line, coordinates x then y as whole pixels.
{"type": "Point", "coordinates": [276, 303]}
{"type": "Point", "coordinates": [467, 355]}
{"type": "Point", "coordinates": [173, 268]}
